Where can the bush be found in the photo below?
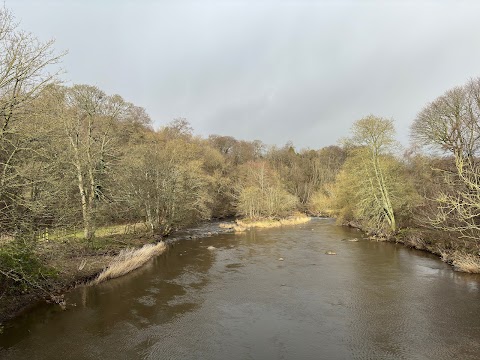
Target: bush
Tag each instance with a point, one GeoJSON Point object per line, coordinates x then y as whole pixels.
{"type": "Point", "coordinates": [20, 269]}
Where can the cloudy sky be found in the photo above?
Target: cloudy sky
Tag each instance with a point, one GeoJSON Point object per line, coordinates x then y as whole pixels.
{"type": "Point", "coordinates": [272, 70]}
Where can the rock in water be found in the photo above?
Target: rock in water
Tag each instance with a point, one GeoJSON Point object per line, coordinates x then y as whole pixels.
{"type": "Point", "coordinates": [280, 259]}
{"type": "Point", "coordinates": [330, 252]}
{"type": "Point", "coordinates": [211, 248]}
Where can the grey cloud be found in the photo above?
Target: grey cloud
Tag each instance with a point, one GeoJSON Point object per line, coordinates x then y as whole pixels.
{"type": "Point", "coordinates": [271, 70]}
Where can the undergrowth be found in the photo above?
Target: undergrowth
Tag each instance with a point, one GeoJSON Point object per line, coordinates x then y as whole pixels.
{"type": "Point", "coordinates": [21, 270]}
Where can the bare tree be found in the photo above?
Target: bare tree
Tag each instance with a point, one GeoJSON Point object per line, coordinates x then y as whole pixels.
{"type": "Point", "coordinates": [25, 71]}
{"type": "Point", "coordinates": [90, 120]}
{"type": "Point", "coordinates": [260, 192]}
{"type": "Point", "coordinates": [166, 183]}
{"type": "Point", "coordinates": [451, 125]}
{"type": "Point", "coordinates": [24, 65]}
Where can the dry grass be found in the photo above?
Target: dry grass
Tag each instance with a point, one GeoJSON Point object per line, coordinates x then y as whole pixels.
{"type": "Point", "coordinates": [461, 261]}
{"type": "Point", "coordinates": [468, 263]}
{"type": "Point", "coordinates": [445, 256]}
{"type": "Point", "coordinates": [239, 229]}
{"type": "Point", "coordinates": [128, 260]}
{"type": "Point", "coordinates": [271, 223]}
{"type": "Point", "coordinates": [232, 226]}
{"type": "Point", "coordinates": [295, 220]}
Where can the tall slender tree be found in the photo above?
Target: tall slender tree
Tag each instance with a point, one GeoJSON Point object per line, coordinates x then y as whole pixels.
{"type": "Point", "coordinates": [376, 136]}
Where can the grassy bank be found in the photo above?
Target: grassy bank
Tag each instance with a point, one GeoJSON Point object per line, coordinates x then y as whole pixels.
{"type": "Point", "coordinates": [67, 260]}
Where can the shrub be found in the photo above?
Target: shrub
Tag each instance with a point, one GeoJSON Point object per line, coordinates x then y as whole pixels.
{"type": "Point", "coordinates": [20, 268]}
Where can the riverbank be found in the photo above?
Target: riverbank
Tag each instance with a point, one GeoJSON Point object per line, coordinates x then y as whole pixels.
{"type": "Point", "coordinates": [76, 262]}
{"type": "Point", "coordinates": [462, 255]}
{"type": "Point", "coordinates": [115, 251]}
{"type": "Point", "coordinates": [315, 305]}
{"type": "Point", "coordinates": [72, 261]}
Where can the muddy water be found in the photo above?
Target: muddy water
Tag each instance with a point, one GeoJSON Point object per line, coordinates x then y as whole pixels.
{"type": "Point", "coordinates": [370, 301]}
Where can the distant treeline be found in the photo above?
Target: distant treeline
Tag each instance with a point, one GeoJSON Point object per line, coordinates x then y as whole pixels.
{"type": "Point", "coordinates": [76, 157]}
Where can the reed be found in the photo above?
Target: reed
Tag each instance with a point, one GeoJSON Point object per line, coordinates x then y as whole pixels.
{"type": "Point", "coordinates": [128, 260]}
{"type": "Point", "coordinates": [273, 223]}
{"type": "Point", "coordinates": [469, 263]}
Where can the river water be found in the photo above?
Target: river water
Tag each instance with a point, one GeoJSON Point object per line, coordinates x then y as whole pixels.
{"type": "Point", "coordinates": [370, 301]}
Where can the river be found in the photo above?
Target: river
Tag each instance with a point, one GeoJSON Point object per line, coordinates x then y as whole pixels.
{"type": "Point", "coordinates": [370, 301]}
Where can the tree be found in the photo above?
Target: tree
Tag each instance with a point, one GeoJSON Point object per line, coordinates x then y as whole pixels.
{"type": "Point", "coordinates": [374, 136]}
{"type": "Point", "coordinates": [178, 128]}
{"type": "Point", "coordinates": [451, 125]}
{"type": "Point", "coordinates": [355, 197]}
{"type": "Point", "coordinates": [25, 71]}
{"type": "Point", "coordinates": [25, 64]}
{"type": "Point", "coordinates": [260, 192]}
{"type": "Point", "coordinates": [166, 183]}
{"type": "Point", "coordinates": [325, 165]}
{"type": "Point", "coordinates": [224, 144]}
{"type": "Point", "coordinates": [90, 119]}
{"type": "Point", "coordinates": [307, 172]}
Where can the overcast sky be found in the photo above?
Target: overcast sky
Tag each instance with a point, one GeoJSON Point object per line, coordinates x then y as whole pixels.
{"type": "Point", "coordinates": [271, 70]}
